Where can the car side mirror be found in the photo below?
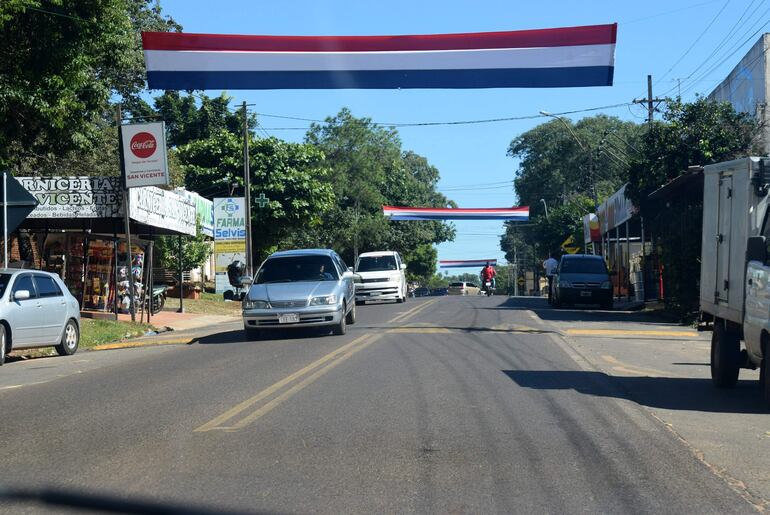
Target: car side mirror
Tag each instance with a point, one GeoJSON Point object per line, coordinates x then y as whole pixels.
{"type": "Point", "coordinates": [246, 281]}
{"type": "Point", "coordinates": [357, 278]}
{"type": "Point", "coordinates": [403, 266]}
{"type": "Point", "coordinates": [756, 249]}
{"type": "Point", "coordinates": [21, 295]}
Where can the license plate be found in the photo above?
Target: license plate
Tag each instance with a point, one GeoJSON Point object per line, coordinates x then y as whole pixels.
{"type": "Point", "coordinates": [585, 293]}
{"type": "Point", "coordinates": [375, 294]}
{"type": "Point", "coordinates": [288, 318]}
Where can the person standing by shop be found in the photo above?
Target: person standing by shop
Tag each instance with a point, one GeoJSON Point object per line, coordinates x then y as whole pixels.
{"type": "Point", "coordinates": [550, 266]}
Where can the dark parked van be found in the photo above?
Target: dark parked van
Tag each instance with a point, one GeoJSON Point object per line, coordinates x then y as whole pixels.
{"type": "Point", "coordinates": [582, 279]}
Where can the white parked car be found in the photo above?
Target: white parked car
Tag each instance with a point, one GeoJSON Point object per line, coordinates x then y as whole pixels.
{"type": "Point", "coordinates": [383, 277]}
{"type": "Point", "coordinates": [37, 310]}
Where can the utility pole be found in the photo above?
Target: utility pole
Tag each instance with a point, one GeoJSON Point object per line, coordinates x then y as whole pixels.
{"type": "Point", "coordinates": [247, 188]}
{"type": "Point", "coordinates": [650, 101]}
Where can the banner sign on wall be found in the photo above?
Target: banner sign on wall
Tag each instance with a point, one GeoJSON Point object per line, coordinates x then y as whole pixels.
{"type": "Point", "coordinates": [229, 237]}
{"type": "Point", "coordinates": [542, 58]}
{"type": "Point", "coordinates": [204, 209]}
{"type": "Point", "coordinates": [161, 208]}
{"type": "Point", "coordinates": [75, 197]}
{"type": "Point", "coordinates": [144, 154]}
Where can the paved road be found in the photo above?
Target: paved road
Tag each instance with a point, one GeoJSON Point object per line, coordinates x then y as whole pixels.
{"type": "Point", "coordinates": [445, 405]}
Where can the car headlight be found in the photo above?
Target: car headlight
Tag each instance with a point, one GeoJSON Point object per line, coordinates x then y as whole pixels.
{"type": "Point", "coordinates": [564, 284]}
{"type": "Point", "coordinates": [255, 304]}
{"type": "Point", "coordinates": [607, 284]}
{"type": "Point", "coordinates": [395, 277]}
{"type": "Point", "coordinates": [326, 300]}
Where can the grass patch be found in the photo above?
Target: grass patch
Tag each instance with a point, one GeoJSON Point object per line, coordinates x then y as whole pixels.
{"type": "Point", "coordinates": [208, 304]}
{"type": "Point", "coordinates": [96, 332]}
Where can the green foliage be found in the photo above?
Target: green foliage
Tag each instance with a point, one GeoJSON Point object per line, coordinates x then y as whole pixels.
{"type": "Point", "coordinates": [195, 251]}
{"type": "Point", "coordinates": [369, 170]}
{"type": "Point", "coordinates": [61, 63]}
{"type": "Point", "coordinates": [697, 133]}
{"type": "Point", "coordinates": [292, 176]}
{"type": "Point", "coordinates": [554, 167]}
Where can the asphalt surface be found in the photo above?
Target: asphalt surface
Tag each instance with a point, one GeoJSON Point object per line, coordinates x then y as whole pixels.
{"type": "Point", "coordinates": [439, 405]}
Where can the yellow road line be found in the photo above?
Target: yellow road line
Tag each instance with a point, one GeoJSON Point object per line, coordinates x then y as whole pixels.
{"type": "Point", "coordinates": [409, 314]}
{"type": "Point", "coordinates": [130, 344]}
{"type": "Point", "coordinates": [628, 332]}
{"type": "Point", "coordinates": [420, 330]}
{"type": "Point", "coordinates": [270, 406]}
{"type": "Point", "coordinates": [244, 405]}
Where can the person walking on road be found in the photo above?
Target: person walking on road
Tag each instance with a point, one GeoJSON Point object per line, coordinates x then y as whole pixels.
{"type": "Point", "coordinates": [550, 266]}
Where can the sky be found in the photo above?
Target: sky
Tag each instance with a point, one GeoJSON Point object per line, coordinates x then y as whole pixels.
{"type": "Point", "coordinates": [687, 44]}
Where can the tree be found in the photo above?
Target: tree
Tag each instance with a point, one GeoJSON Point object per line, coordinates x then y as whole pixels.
{"type": "Point", "coordinates": [195, 251]}
{"type": "Point", "coordinates": [61, 63]}
{"type": "Point", "coordinates": [292, 176]}
{"type": "Point", "coordinates": [555, 168]}
{"type": "Point", "coordinates": [368, 170]}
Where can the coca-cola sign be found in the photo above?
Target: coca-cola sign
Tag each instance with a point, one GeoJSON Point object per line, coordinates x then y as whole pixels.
{"type": "Point", "coordinates": [144, 154]}
{"type": "Point", "coordinates": [143, 145]}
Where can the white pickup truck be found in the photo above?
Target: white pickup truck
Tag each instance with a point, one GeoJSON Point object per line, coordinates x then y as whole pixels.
{"type": "Point", "coordinates": [735, 268]}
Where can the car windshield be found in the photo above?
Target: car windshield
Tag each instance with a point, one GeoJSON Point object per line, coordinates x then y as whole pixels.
{"type": "Point", "coordinates": [376, 263]}
{"type": "Point", "coordinates": [296, 269]}
{"type": "Point", "coordinates": [4, 280]}
{"type": "Point", "coordinates": [583, 266]}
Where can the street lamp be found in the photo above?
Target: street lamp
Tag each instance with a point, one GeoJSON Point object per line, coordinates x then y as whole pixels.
{"type": "Point", "coordinates": [585, 149]}
{"type": "Point", "coordinates": [546, 208]}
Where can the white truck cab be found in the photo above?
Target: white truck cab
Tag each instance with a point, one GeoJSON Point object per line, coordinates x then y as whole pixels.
{"type": "Point", "coordinates": [383, 277]}
{"type": "Point", "coordinates": [735, 268]}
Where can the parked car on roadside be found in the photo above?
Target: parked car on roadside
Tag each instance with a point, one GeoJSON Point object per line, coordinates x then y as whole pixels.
{"type": "Point", "coordinates": [300, 288]}
{"type": "Point", "coordinates": [463, 288]}
{"type": "Point", "coordinates": [582, 279]}
{"type": "Point", "coordinates": [37, 310]}
{"type": "Point", "coordinates": [421, 292]}
{"type": "Point", "coordinates": [438, 292]}
{"type": "Point", "coordinates": [382, 277]}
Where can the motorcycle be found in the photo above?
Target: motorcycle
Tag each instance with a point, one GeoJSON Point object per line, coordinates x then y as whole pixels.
{"type": "Point", "coordinates": [157, 300]}
{"type": "Point", "coordinates": [488, 289]}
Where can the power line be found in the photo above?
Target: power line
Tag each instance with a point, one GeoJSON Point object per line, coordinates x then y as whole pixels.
{"type": "Point", "coordinates": [703, 32]}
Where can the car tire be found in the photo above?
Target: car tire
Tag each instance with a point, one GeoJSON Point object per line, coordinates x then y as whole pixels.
{"type": "Point", "coordinates": [3, 343]}
{"type": "Point", "coordinates": [69, 340]}
{"type": "Point", "coordinates": [350, 318]}
{"type": "Point", "coordinates": [342, 327]}
{"type": "Point", "coordinates": [253, 334]}
{"type": "Point", "coordinates": [725, 356]}
{"type": "Point", "coordinates": [400, 300]}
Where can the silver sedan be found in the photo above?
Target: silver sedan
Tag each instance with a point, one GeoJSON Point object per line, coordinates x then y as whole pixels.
{"type": "Point", "coordinates": [37, 310]}
{"type": "Point", "coordinates": [300, 288]}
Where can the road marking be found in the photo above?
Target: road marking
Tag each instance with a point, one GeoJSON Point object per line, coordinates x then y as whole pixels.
{"type": "Point", "coordinates": [420, 330]}
{"type": "Point", "coordinates": [239, 408]}
{"type": "Point", "coordinates": [130, 344]}
{"type": "Point", "coordinates": [620, 366]}
{"type": "Point", "coordinates": [409, 314]}
{"type": "Point", "coordinates": [628, 332]}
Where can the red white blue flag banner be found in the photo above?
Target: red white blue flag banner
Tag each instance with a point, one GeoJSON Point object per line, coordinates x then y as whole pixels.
{"type": "Point", "coordinates": [466, 263]}
{"type": "Point", "coordinates": [518, 214]}
{"type": "Point", "coordinates": [542, 58]}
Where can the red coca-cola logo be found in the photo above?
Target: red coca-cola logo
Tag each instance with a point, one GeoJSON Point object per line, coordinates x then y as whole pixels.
{"type": "Point", "coordinates": [143, 145]}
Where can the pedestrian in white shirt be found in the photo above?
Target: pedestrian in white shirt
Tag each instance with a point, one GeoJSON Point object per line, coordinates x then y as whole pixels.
{"type": "Point", "coordinates": [550, 266]}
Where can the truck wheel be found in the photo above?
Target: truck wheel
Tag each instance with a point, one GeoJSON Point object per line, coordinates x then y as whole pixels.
{"type": "Point", "coordinates": [725, 356]}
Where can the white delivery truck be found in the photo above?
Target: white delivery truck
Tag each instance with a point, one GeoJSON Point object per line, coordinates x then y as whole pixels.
{"type": "Point", "coordinates": [735, 270]}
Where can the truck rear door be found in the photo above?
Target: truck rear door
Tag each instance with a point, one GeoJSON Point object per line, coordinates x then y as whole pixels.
{"type": "Point", "coordinates": [722, 292]}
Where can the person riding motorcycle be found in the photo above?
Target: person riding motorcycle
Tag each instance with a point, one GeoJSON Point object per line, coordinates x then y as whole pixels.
{"type": "Point", "coordinates": [488, 274]}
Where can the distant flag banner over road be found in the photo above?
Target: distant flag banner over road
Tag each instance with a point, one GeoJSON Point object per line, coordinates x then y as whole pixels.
{"type": "Point", "coordinates": [542, 58]}
{"type": "Point", "coordinates": [519, 214]}
{"type": "Point", "coordinates": [466, 263]}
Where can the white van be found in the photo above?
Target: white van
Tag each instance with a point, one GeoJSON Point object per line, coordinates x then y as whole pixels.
{"type": "Point", "coordinates": [383, 277]}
